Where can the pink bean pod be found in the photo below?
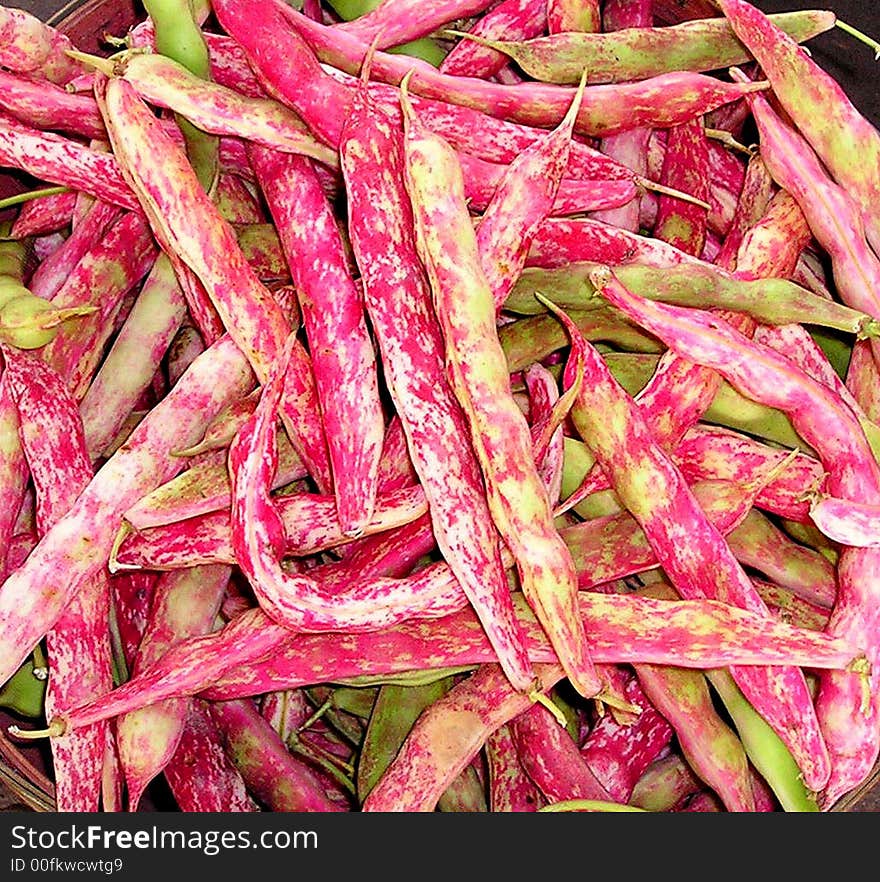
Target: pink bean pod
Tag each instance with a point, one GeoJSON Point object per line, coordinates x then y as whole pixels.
{"type": "Point", "coordinates": [847, 521]}
{"type": "Point", "coordinates": [707, 452]}
{"type": "Point", "coordinates": [30, 46]}
{"type": "Point", "coordinates": [428, 761]}
{"type": "Point", "coordinates": [663, 101]}
{"type": "Point", "coordinates": [551, 758]}
{"type": "Point", "coordinates": [200, 774]}
{"type": "Point", "coordinates": [252, 655]}
{"type": "Point", "coordinates": [218, 109]}
{"type": "Point", "coordinates": [758, 543]}
{"type": "Point", "coordinates": [510, 789]}
{"type": "Point", "coordinates": [630, 147]}
{"type": "Point", "coordinates": [310, 526]}
{"type": "Point", "coordinates": [52, 271]}
{"type": "Point", "coordinates": [78, 645]}
{"type": "Point", "coordinates": [201, 489]}
{"type": "Point", "coordinates": [509, 19]}
{"type": "Point", "coordinates": [58, 160]}
{"type": "Point", "coordinates": [334, 318]}
{"type": "Point", "coordinates": [134, 356]}
{"type": "Point", "coordinates": [483, 178]}
{"type": "Point", "coordinates": [523, 199]}
{"type": "Point", "coordinates": [685, 166]}
{"type": "Point", "coordinates": [618, 751]}
{"type": "Point", "coordinates": [393, 22]}
{"type": "Point", "coordinates": [271, 772]}
{"type": "Point", "coordinates": [560, 241]}
{"type": "Point", "coordinates": [46, 214]}
{"type": "Point", "coordinates": [184, 604]}
{"type": "Point", "coordinates": [47, 106]}
{"type": "Point", "coordinates": [14, 474]}
{"type": "Point", "coordinates": [398, 302]}
{"type": "Point", "coordinates": [831, 210]}
{"type": "Point", "coordinates": [101, 279]}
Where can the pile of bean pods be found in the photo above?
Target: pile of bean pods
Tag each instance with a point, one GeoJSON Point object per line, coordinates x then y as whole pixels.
{"type": "Point", "coordinates": [438, 406]}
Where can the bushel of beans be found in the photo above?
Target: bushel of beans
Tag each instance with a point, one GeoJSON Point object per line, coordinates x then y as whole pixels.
{"type": "Point", "coordinates": [453, 406]}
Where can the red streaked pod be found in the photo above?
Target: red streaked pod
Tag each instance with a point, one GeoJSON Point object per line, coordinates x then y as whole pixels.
{"type": "Point", "coordinates": [863, 379]}
{"type": "Point", "coordinates": [662, 101]}
{"type": "Point", "coordinates": [200, 774]}
{"type": "Point", "coordinates": [322, 95]}
{"type": "Point", "coordinates": [631, 146]}
{"type": "Point", "coordinates": [14, 473]}
{"type": "Point", "coordinates": [840, 441]}
{"type": "Point", "coordinates": [115, 266]}
{"type": "Point", "coordinates": [847, 521]}
{"type": "Point", "coordinates": [507, 20]}
{"type": "Point", "coordinates": [229, 66]}
{"type": "Point", "coordinates": [394, 553]}
{"type": "Point", "coordinates": [50, 157]}
{"type": "Point", "coordinates": [191, 230]}
{"type": "Point", "coordinates": [77, 644]}
{"type": "Point", "coordinates": [51, 272]}
{"type": "Point", "coordinates": [754, 197]}
{"type": "Point", "coordinates": [680, 391]}
{"type": "Point", "coordinates": [707, 452]}
{"type": "Point", "coordinates": [298, 600]}
{"type": "Point", "coordinates": [134, 356]}
{"type": "Point", "coordinates": [48, 106]}
{"type": "Point", "coordinates": [222, 429]}
{"type": "Point", "coordinates": [30, 46]}
{"type": "Point", "coordinates": [759, 544]}
{"type": "Point", "coordinates": [543, 391]}
{"type": "Point", "coordinates": [393, 22]}
{"type": "Point", "coordinates": [310, 526]}
{"type": "Point", "coordinates": [560, 241]}
{"type": "Point", "coordinates": [434, 752]}
{"type": "Point", "coordinates": [285, 65]}
{"type": "Point", "coordinates": [478, 372]}
{"type": "Point", "coordinates": [708, 743]}
{"type": "Point", "coordinates": [398, 302]}
{"type": "Point", "coordinates": [618, 751]}
{"type": "Point", "coordinates": [334, 318]}
{"type": "Point", "coordinates": [613, 546]}
{"type": "Point", "coordinates": [847, 143]}
{"type": "Point", "coordinates": [185, 604]}
{"type": "Point", "coordinates": [685, 166]}
{"type": "Point", "coordinates": [524, 197]}
{"type": "Point", "coordinates": [482, 179]}
{"type": "Point", "coordinates": [573, 15]}
{"type": "Point", "coordinates": [691, 550]}
{"type": "Point", "coordinates": [272, 773]}
{"type": "Point", "coordinates": [78, 545]}
{"type": "Point", "coordinates": [795, 342]}
{"type": "Point", "coordinates": [46, 214]}
{"type": "Point", "coordinates": [218, 109]}
{"type": "Point", "coordinates": [252, 655]}
{"type": "Point", "coordinates": [551, 758]}
{"type": "Point", "coordinates": [509, 787]}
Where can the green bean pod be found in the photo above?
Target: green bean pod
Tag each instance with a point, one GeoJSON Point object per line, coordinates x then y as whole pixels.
{"type": "Point", "coordinates": [700, 45]}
